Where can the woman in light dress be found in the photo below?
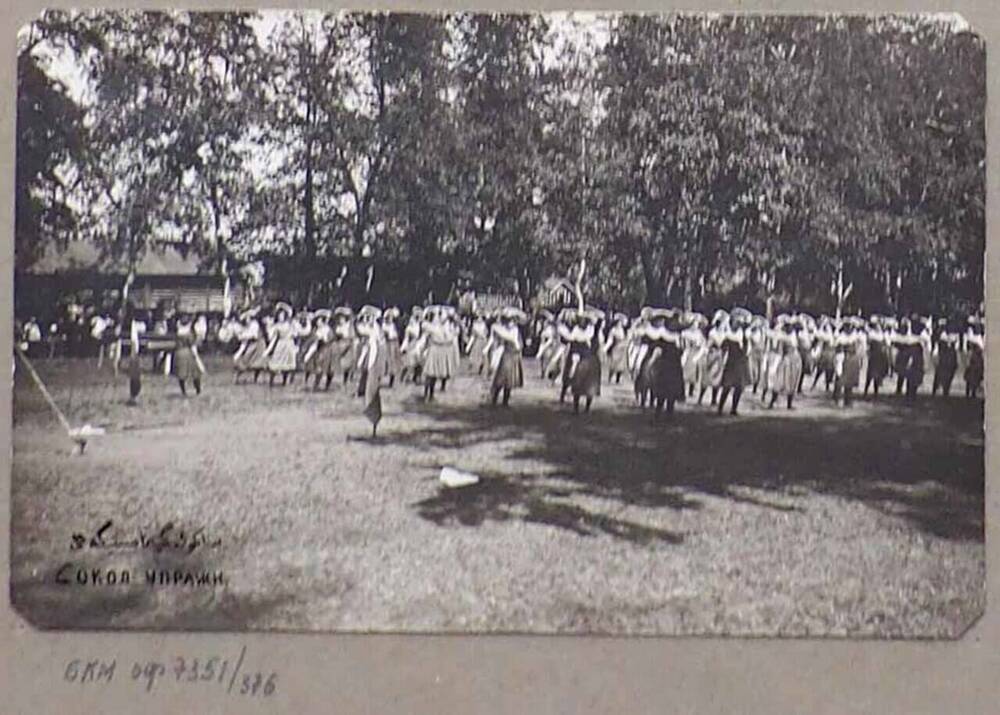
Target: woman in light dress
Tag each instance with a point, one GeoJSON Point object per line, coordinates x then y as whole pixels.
{"type": "Point", "coordinates": [393, 349]}
{"type": "Point", "coordinates": [282, 352]}
{"type": "Point", "coordinates": [251, 355]}
{"type": "Point", "coordinates": [847, 347]}
{"type": "Point", "coordinates": [438, 349]}
{"type": "Point", "coordinates": [783, 362]}
{"type": "Point", "coordinates": [693, 357]}
{"type": "Point", "coordinates": [714, 361]}
{"type": "Point", "coordinates": [756, 339]}
{"type": "Point", "coordinates": [475, 348]}
{"type": "Point", "coordinates": [617, 348]}
{"type": "Point", "coordinates": [410, 347]}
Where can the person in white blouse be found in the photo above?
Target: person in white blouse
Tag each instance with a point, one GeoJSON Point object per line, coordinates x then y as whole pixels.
{"type": "Point", "coordinates": [410, 347]}
{"type": "Point", "coordinates": [281, 350]}
{"type": "Point", "coordinates": [548, 343]}
{"type": "Point", "coordinates": [715, 357]}
{"type": "Point", "coordinates": [476, 346]}
{"type": "Point", "coordinates": [784, 365]}
{"type": "Point", "coordinates": [393, 349]}
{"type": "Point", "coordinates": [438, 338]}
{"type": "Point", "coordinates": [617, 348]}
{"type": "Point", "coordinates": [250, 356]}
{"type": "Point", "coordinates": [693, 357]}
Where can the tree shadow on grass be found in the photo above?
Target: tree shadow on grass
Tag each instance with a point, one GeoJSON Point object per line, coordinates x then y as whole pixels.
{"type": "Point", "coordinates": [500, 498]}
{"type": "Point", "coordinates": [922, 462]}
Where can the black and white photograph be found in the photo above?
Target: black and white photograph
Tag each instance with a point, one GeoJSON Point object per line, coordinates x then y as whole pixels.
{"type": "Point", "coordinates": [549, 323]}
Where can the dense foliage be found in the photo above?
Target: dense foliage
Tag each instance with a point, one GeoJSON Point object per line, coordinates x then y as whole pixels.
{"type": "Point", "coordinates": [689, 159]}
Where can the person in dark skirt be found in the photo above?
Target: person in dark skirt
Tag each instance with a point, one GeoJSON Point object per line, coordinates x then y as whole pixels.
{"type": "Point", "coordinates": [975, 365]}
{"type": "Point", "coordinates": [946, 358]}
{"type": "Point", "coordinates": [909, 360]}
{"type": "Point", "coordinates": [805, 328]}
{"type": "Point", "coordinates": [736, 368]}
{"type": "Point", "coordinates": [187, 362]}
{"type": "Point", "coordinates": [582, 370]}
{"type": "Point", "coordinates": [901, 347]}
{"type": "Point", "coordinates": [342, 346]}
{"type": "Point", "coordinates": [663, 369]}
{"type": "Point", "coordinates": [825, 352]}
{"type": "Point", "coordinates": [133, 327]}
{"type": "Point", "coordinates": [878, 355]}
{"type": "Point", "coordinates": [505, 355]}
{"type": "Point", "coordinates": [318, 360]}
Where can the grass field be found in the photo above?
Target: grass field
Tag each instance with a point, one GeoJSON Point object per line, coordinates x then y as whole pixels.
{"type": "Point", "coordinates": [820, 521]}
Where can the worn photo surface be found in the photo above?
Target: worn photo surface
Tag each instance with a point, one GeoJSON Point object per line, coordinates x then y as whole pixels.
{"type": "Point", "coordinates": [578, 323]}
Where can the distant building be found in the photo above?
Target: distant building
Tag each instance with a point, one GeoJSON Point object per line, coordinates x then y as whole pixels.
{"type": "Point", "coordinates": [164, 277]}
{"type": "Point", "coordinates": [555, 293]}
{"type": "Point", "coordinates": [484, 302]}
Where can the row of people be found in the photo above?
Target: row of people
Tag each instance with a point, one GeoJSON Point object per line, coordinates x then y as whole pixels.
{"type": "Point", "coordinates": [670, 355]}
{"type": "Point", "coordinates": [738, 350]}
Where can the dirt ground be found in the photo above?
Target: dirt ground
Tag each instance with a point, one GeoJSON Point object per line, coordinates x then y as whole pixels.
{"type": "Point", "coordinates": [819, 521]}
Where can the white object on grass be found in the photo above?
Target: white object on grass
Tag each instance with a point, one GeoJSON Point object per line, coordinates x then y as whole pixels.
{"type": "Point", "coordinates": [452, 477]}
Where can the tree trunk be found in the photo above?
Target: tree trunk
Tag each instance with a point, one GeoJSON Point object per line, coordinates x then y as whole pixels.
{"type": "Point", "coordinates": [654, 289]}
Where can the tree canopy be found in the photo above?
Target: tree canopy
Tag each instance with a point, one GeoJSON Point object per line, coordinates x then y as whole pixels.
{"type": "Point", "coordinates": [689, 159]}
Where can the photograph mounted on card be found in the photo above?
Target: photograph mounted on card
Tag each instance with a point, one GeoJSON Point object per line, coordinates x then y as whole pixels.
{"type": "Point", "coordinates": [580, 323]}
